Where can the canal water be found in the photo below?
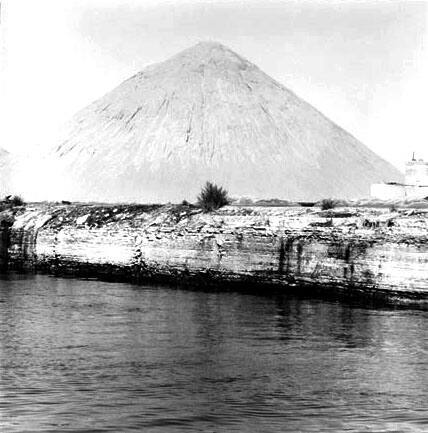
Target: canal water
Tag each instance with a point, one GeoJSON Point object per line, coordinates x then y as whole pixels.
{"type": "Point", "coordinates": [79, 356]}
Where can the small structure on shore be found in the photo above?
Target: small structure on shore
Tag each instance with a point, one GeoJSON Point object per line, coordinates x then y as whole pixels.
{"type": "Point", "coordinates": [415, 184]}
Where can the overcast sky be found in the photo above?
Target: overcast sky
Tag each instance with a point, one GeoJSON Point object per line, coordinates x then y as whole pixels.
{"type": "Point", "coordinates": [364, 64]}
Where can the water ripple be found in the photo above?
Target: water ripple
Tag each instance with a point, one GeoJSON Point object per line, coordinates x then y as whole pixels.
{"type": "Point", "coordinates": [78, 356]}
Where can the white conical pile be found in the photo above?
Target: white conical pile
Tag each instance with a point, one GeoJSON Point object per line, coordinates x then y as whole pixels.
{"type": "Point", "coordinates": [208, 114]}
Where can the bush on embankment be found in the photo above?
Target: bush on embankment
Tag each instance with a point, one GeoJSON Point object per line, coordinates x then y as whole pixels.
{"type": "Point", "coordinates": [212, 197]}
{"type": "Point", "coordinates": [9, 202]}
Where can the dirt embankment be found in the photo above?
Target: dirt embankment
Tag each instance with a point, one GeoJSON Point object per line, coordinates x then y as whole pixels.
{"type": "Point", "coordinates": [378, 252]}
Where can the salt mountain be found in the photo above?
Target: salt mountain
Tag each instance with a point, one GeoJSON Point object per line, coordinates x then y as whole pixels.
{"type": "Point", "coordinates": [208, 114]}
{"type": "Point", "coordinates": [5, 168]}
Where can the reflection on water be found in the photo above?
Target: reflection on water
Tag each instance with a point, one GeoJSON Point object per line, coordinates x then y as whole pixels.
{"type": "Point", "coordinates": [87, 355]}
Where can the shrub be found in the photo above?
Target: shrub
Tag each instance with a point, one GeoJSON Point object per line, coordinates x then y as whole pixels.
{"type": "Point", "coordinates": [9, 202]}
{"type": "Point", "coordinates": [16, 200]}
{"type": "Point", "coordinates": [212, 197]}
{"type": "Point", "coordinates": [327, 203]}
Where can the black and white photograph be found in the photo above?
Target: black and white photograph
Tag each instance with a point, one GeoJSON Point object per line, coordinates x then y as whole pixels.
{"type": "Point", "coordinates": [214, 216]}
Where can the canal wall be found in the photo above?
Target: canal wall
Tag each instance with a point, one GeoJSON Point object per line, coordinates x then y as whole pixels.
{"type": "Point", "coordinates": [375, 252]}
{"type": "Point", "coordinates": [4, 247]}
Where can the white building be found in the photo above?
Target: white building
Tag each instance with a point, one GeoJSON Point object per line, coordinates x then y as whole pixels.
{"type": "Point", "coordinates": [415, 184]}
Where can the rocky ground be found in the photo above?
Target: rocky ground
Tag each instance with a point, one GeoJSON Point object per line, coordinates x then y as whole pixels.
{"type": "Point", "coordinates": [374, 251]}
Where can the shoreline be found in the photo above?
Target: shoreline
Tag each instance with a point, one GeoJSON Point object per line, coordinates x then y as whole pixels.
{"type": "Point", "coordinates": [352, 252]}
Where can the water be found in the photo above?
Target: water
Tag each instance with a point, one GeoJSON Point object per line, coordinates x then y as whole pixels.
{"type": "Point", "coordinates": [92, 356]}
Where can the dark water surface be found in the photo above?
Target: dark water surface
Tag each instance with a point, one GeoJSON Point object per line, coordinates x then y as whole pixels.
{"type": "Point", "coordinates": [92, 356]}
